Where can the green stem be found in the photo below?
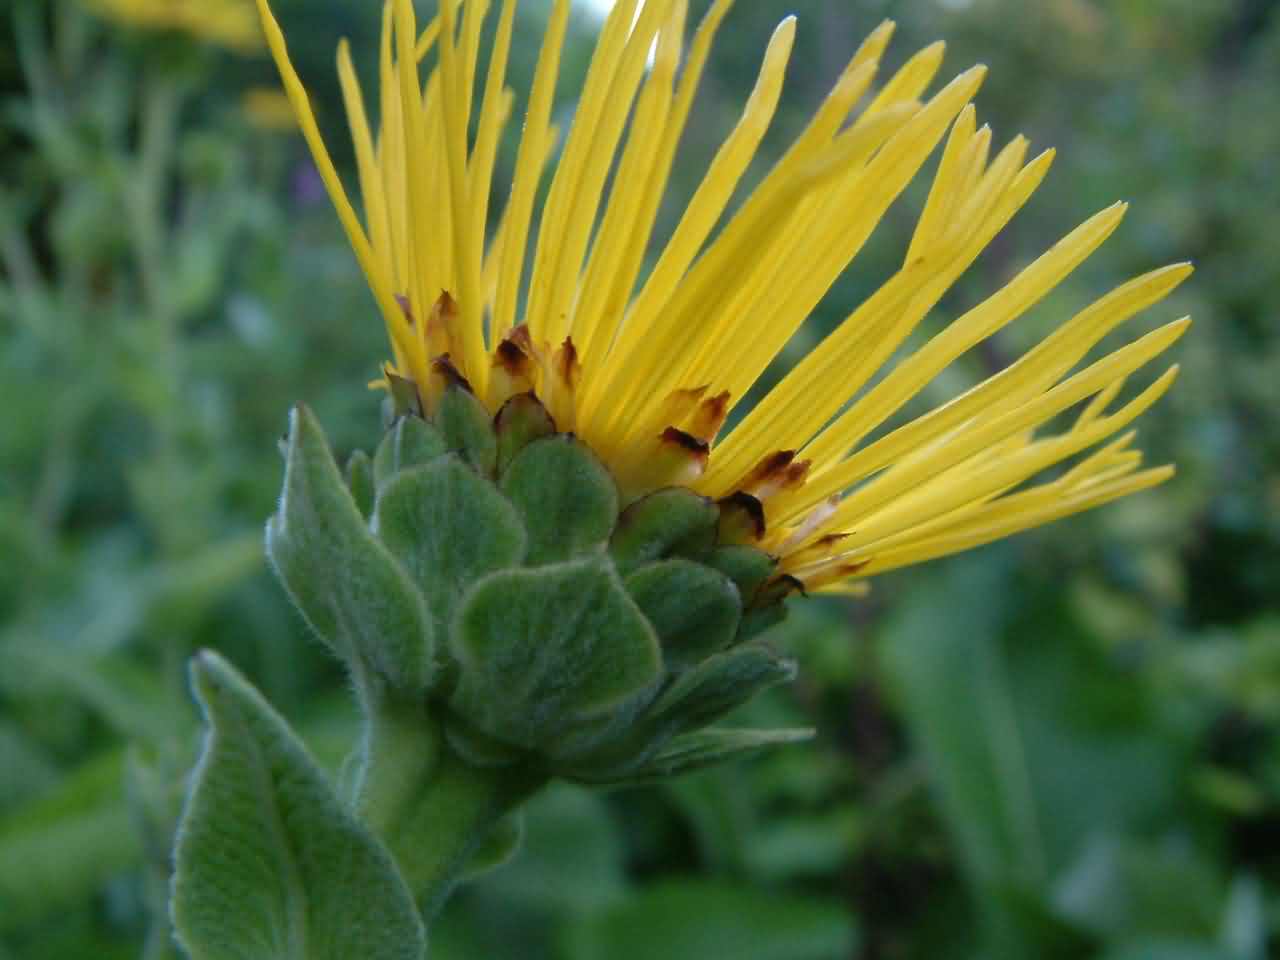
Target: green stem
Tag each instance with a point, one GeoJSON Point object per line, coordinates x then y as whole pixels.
{"type": "Point", "coordinates": [432, 808]}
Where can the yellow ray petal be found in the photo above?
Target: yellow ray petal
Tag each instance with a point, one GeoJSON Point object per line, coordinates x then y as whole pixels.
{"type": "Point", "coordinates": [748, 245]}
{"type": "Point", "coordinates": [1026, 377]}
{"type": "Point", "coordinates": [884, 505]}
{"type": "Point", "coordinates": [1058, 508]}
{"type": "Point", "coordinates": [644, 140]}
{"type": "Point", "coordinates": [493, 114]}
{"type": "Point", "coordinates": [534, 146]}
{"type": "Point", "coordinates": [713, 194]}
{"type": "Point", "coordinates": [690, 75]}
{"type": "Point", "coordinates": [379, 283]}
{"type": "Point", "coordinates": [599, 115]}
{"type": "Point", "coordinates": [457, 76]}
{"type": "Point", "coordinates": [1014, 299]}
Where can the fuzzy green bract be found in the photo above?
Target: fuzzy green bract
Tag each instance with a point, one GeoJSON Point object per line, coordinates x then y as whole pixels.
{"type": "Point", "coordinates": [667, 521]}
{"type": "Point", "coordinates": [565, 496]}
{"type": "Point", "coordinates": [270, 863]}
{"type": "Point", "coordinates": [464, 422]}
{"type": "Point", "coordinates": [487, 569]}
{"type": "Point", "coordinates": [448, 527]}
{"type": "Point", "coordinates": [411, 441]}
{"type": "Point", "coordinates": [694, 609]}
{"type": "Point", "coordinates": [355, 595]}
{"type": "Point", "coordinates": [521, 420]}
{"type": "Point", "coordinates": [545, 651]}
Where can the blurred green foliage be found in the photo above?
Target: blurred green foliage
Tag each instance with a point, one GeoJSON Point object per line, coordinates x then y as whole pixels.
{"type": "Point", "coordinates": [1061, 746]}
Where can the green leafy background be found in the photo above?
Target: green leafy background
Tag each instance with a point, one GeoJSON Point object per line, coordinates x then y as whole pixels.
{"type": "Point", "coordinates": [1060, 746]}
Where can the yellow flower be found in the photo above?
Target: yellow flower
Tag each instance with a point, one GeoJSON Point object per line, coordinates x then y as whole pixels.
{"type": "Point", "coordinates": [267, 109]}
{"type": "Point", "coordinates": [228, 23]}
{"type": "Point", "coordinates": [645, 368]}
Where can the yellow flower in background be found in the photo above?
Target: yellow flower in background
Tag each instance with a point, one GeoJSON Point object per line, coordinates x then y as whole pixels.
{"type": "Point", "coordinates": [228, 23]}
{"type": "Point", "coordinates": [645, 367]}
{"type": "Point", "coordinates": [268, 109]}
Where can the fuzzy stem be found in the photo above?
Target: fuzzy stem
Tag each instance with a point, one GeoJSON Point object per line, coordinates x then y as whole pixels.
{"type": "Point", "coordinates": [431, 807]}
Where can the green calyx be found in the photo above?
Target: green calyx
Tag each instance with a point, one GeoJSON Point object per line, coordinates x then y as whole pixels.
{"type": "Point", "coordinates": [486, 568]}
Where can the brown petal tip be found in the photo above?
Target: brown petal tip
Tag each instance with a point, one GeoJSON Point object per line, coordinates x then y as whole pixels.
{"type": "Point", "coordinates": [768, 470]}
{"type": "Point", "coordinates": [778, 589]}
{"type": "Point", "coordinates": [672, 437]}
{"type": "Point", "coordinates": [741, 519]}
{"type": "Point", "coordinates": [511, 358]}
{"type": "Point", "coordinates": [710, 416]}
{"type": "Point", "coordinates": [443, 367]}
{"type": "Point", "coordinates": [568, 366]}
{"type": "Point", "coordinates": [519, 335]}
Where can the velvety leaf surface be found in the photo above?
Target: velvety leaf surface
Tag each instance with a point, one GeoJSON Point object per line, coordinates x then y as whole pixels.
{"type": "Point", "coordinates": [348, 586]}
{"type": "Point", "coordinates": [467, 428]}
{"type": "Point", "coordinates": [448, 527]}
{"type": "Point", "coordinates": [657, 524]}
{"type": "Point", "coordinates": [719, 684]}
{"type": "Point", "coordinates": [522, 420]}
{"type": "Point", "coordinates": [694, 609]}
{"type": "Point", "coordinates": [564, 495]}
{"type": "Point", "coordinates": [360, 481]}
{"type": "Point", "coordinates": [544, 649]}
{"type": "Point", "coordinates": [270, 864]}
{"type": "Point", "coordinates": [409, 443]}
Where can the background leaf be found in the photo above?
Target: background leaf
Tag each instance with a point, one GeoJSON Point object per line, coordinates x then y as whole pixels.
{"type": "Point", "coordinates": [691, 920]}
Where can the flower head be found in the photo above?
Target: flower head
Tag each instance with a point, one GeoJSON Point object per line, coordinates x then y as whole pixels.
{"type": "Point", "coordinates": [227, 23]}
{"type": "Point", "coordinates": [645, 368]}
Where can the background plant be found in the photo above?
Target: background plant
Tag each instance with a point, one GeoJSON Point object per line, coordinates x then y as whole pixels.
{"type": "Point", "coordinates": [1060, 746]}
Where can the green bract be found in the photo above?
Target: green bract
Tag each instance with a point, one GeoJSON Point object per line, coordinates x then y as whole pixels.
{"type": "Point", "coordinates": [487, 570]}
{"type": "Point", "coordinates": [353, 592]}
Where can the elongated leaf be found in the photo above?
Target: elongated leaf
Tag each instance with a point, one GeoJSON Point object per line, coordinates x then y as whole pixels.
{"type": "Point", "coordinates": [948, 668]}
{"type": "Point", "coordinates": [270, 864]}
